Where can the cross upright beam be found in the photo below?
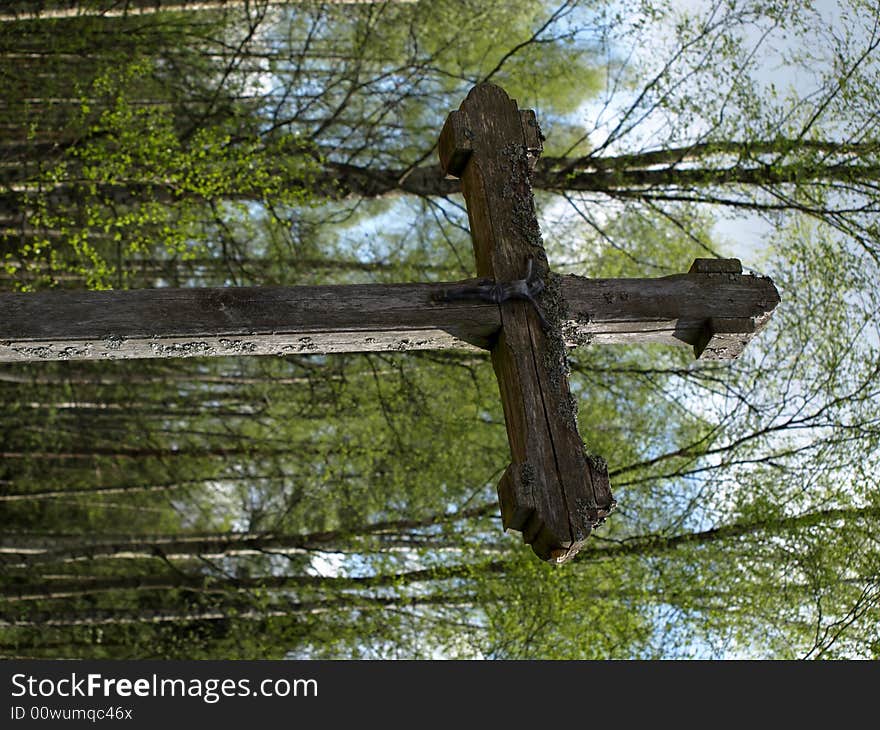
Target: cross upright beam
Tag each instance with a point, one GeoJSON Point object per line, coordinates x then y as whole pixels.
{"type": "Point", "coordinates": [553, 491]}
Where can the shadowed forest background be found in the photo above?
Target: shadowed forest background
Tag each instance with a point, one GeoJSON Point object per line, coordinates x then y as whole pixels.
{"type": "Point", "coordinates": [344, 506]}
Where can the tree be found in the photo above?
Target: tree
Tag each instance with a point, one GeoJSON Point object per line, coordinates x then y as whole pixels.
{"type": "Point", "coordinates": [198, 164]}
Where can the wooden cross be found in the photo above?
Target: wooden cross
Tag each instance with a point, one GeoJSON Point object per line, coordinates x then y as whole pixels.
{"type": "Point", "coordinates": [553, 491]}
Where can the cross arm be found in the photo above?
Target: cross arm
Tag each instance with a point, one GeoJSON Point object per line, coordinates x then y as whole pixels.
{"type": "Point", "coordinates": [215, 322]}
{"type": "Point", "coordinates": [714, 308]}
{"type": "Point", "coordinates": [702, 309]}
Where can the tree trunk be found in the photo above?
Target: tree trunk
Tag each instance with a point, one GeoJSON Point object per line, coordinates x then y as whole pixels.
{"type": "Point", "coordinates": [46, 549]}
{"type": "Point", "coordinates": [120, 618]}
{"type": "Point", "coordinates": [60, 9]}
{"type": "Point", "coordinates": [624, 175]}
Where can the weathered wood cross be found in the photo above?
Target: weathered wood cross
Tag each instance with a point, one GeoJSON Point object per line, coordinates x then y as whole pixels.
{"type": "Point", "coordinates": [553, 491]}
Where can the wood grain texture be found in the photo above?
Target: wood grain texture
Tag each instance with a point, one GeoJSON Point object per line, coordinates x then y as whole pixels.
{"type": "Point", "coordinates": [155, 323]}
{"type": "Point", "coordinates": [552, 492]}
{"type": "Point", "coordinates": [238, 321]}
{"type": "Point", "coordinates": [714, 313]}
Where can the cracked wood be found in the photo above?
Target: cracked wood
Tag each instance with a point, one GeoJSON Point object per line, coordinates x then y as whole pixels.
{"type": "Point", "coordinates": [157, 323]}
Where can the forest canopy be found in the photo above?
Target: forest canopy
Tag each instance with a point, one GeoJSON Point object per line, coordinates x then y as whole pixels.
{"type": "Point", "coordinates": [344, 506]}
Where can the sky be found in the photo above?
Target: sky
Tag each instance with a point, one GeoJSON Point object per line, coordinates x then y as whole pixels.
{"type": "Point", "coordinates": [744, 235]}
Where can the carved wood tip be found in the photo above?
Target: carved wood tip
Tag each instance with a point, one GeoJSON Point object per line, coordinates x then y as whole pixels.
{"type": "Point", "coordinates": [716, 266]}
{"type": "Point", "coordinates": [457, 137]}
{"type": "Point", "coordinates": [484, 92]}
{"type": "Point", "coordinates": [724, 338]}
{"type": "Point", "coordinates": [555, 538]}
{"type": "Point", "coordinates": [455, 145]}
